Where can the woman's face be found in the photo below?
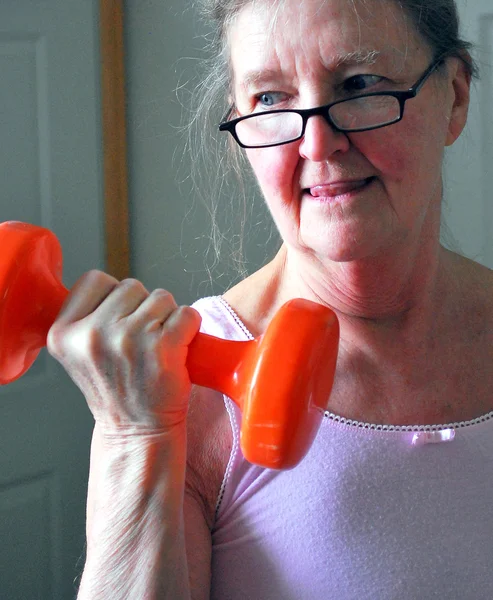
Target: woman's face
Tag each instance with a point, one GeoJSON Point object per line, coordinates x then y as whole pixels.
{"type": "Point", "coordinates": [336, 196]}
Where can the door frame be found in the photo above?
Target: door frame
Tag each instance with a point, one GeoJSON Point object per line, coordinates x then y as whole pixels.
{"type": "Point", "coordinates": [115, 170]}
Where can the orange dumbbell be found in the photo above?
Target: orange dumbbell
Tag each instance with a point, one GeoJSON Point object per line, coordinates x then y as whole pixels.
{"type": "Point", "coordinates": [281, 381]}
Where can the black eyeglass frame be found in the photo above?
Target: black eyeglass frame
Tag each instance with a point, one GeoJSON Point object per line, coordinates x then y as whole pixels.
{"type": "Point", "coordinates": [323, 111]}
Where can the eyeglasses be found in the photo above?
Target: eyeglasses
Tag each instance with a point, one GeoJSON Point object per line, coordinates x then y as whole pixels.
{"type": "Point", "coordinates": [359, 113]}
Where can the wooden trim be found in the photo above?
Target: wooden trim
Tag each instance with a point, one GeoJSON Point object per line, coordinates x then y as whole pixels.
{"type": "Point", "coordinates": [114, 139]}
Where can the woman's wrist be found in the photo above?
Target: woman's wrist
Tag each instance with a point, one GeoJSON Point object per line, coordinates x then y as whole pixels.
{"type": "Point", "coordinates": [143, 468]}
{"type": "Point", "coordinates": [135, 512]}
{"type": "Point", "coordinates": [128, 438]}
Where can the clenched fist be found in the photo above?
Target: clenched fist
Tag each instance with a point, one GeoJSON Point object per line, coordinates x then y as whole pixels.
{"type": "Point", "coordinates": [126, 350]}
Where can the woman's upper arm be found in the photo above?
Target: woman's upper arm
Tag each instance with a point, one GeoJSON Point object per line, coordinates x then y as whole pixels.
{"type": "Point", "coordinates": [209, 441]}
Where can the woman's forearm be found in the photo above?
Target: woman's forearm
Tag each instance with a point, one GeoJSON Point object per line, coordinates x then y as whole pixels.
{"type": "Point", "coordinates": [135, 530]}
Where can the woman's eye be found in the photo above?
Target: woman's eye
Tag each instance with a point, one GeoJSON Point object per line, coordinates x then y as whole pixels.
{"type": "Point", "coordinates": [269, 99]}
{"type": "Point", "coordinates": [361, 83]}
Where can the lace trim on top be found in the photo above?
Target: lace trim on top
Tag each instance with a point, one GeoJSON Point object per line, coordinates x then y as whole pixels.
{"type": "Point", "coordinates": [371, 426]}
{"type": "Point", "coordinates": [379, 427]}
{"type": "Point", "coordinates": [234, 451]}
{"type": "Point", "coordinates": [237, 319]}
{"type": "Point", "coordinates": [232, 419]}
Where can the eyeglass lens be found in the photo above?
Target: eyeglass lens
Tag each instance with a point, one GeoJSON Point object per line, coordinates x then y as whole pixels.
{"type": "Point", "coordinates": [357, 113]}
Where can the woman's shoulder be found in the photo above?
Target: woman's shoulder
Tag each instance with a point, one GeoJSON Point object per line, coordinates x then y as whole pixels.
{"type": "Point", "coordinates": [209, 428]}
{"type": "Point", "coordinates": [473, 314]}
{"type": "Point", "coordinates": [256, 298]}
{"type": "Point", "coordinates": [474, 285]}
{"type": "Point", "coordinates": [241, 311]}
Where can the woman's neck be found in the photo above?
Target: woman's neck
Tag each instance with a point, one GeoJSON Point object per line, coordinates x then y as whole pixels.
{"type": "Point", "coordinates": [380, 299]}
{"type": "Point", "coordinates": [403, 340]}
{"type": "Point", "coordinates": [401, 336]}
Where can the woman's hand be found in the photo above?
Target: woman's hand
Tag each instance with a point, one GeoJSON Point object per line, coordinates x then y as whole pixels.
{"type": "Point", "coordinates": [126, 350]}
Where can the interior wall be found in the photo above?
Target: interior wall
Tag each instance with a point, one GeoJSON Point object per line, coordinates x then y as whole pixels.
{"type": "Point", "coordinates": [170, 229]}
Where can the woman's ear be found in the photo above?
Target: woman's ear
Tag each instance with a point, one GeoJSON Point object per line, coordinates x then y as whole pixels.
{"type": "Point", "coordinates": [460, 90]}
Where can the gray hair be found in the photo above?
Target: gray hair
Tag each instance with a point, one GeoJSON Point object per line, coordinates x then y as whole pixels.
{"type": "Point", "coordinates": [224, 171]}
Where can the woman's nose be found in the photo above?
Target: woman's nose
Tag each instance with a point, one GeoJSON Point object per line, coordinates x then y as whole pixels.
{"type": "Point", "coordinates": [321, 140]}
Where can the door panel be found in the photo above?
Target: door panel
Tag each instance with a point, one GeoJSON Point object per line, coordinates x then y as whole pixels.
{"type": "Point", "coordinates": [20, 58]}
{"type": "Point", "coordinates": [27, 512]}
{"type": "Point", "coordinates": [50, 175]}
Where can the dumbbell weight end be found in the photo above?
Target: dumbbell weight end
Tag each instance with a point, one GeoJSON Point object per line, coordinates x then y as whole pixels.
{"type": "Point", "coordinates": [31, 295]}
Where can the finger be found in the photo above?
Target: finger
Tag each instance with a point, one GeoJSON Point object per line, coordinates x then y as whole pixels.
{"type": "Point", "coordinates": [86, 295]}
{"type": "Point", "coordinates": [182, 326]}
{"type": "Point", "coordinates": [124, 300]}
{"type": "Point", "coordinates": [154, 310]}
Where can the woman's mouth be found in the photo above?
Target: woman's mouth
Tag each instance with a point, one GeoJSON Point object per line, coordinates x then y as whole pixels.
{"type": "Point", "coordinates": [339, 188]}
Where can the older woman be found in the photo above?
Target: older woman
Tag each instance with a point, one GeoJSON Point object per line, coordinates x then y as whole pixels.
{"type": "Point", "coordinates": [369, 94]}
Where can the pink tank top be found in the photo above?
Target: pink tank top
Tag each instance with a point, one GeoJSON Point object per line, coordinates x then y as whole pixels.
{"type": "Point", "coordinates": [373, 512]}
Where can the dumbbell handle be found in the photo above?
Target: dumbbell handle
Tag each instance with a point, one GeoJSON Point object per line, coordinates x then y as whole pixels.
{"type": "Point", "coordinates": [211, 361]}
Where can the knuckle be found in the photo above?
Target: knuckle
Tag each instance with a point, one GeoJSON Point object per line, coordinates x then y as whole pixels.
{"type": "Point", "coordinates": [161, 293]}
{"type": "Point", "coordinates": [96, 278]}
{"type": "Point", "coordinates": [162, 297]}
{"type": "Point", "coordinates": [55, 339]}
{"type": "Point", "coordinates": [183, 323]}
{"type": "Point", "coordinates": [132, 283]}
{"type": "Point", "coordinates": [188, 314]}
{"type": "Point", "coordinates": [75, 341]}
{"type": "Point", "coordinates": [91, 282]}
{"type": "Point", "coordinates": [121, 342]}
{"type": "Point", "coordinates": [88, 341]}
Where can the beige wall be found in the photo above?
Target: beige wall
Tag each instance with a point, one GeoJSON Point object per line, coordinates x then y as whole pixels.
{"type": "Point", "coordinates": [169, 228]}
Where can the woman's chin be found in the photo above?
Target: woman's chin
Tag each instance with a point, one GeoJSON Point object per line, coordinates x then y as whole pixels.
{"type": "Point", "coordinates": [341, 255]}
{"type": "Point", "coordinates": [342, 246]}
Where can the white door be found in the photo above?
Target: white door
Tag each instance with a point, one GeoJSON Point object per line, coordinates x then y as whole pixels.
{"type": "Point", "coordinates": [469, 163]}
{"type": "Point", "coordinates": [50, 175]}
